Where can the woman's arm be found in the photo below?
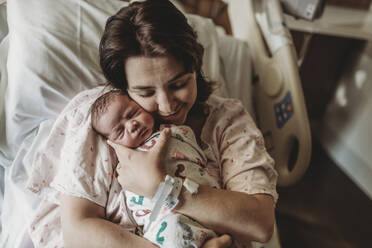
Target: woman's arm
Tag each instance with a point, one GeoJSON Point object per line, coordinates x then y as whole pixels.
{"type": "Point", "coordinates": [83, 225]}
{"type": "Point", "coordinates": [241, 215]}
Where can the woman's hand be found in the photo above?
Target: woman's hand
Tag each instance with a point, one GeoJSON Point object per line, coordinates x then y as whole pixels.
{"type": "Point", "coordinates": [223, 241]}
{"type": "Point", "coordinates": [141, 172]}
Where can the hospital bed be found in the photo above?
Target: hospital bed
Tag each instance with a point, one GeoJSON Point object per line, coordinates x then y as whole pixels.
{"type": "Point", "coordinates": [50, 54]}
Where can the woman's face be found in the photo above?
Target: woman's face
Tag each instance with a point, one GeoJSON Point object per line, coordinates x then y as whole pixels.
{"type": "Point", "coordinates": [162, 87]}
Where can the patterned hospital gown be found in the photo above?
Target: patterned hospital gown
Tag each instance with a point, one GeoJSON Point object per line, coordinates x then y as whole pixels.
{"type": "Point", "coordinates": [75, 161]}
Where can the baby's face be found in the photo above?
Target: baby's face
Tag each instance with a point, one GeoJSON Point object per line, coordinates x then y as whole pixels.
{"type": "Point", "coordinates": [125, 122]}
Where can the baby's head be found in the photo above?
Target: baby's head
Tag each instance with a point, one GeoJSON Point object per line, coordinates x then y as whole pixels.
{"type": "Point", "coordinates": [120, 119]}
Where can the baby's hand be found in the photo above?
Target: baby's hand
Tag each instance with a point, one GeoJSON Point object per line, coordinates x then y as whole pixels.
{"type": "Point", "coordinates": [141, 172]}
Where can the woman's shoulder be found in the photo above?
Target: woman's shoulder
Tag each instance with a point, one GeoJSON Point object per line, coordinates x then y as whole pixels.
{"type": "Point", "coordinates": [222, 112]}
{"type": "Point", "coordinates": [221, 104]}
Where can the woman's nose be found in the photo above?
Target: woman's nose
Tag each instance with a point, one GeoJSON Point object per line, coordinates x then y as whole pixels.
{"type": "Point", "coordinates": [165, 104]}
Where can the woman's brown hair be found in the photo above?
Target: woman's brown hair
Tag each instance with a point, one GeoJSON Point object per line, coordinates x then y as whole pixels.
{"type": "Point", "coordinates": [150, 28]}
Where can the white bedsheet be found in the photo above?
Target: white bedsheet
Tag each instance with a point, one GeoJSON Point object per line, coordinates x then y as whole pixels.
{"type": "Point", "coordinates": [44, 78]}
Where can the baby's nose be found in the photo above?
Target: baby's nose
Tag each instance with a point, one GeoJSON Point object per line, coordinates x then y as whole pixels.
{"type": "Point", "coordinates": [132, 125]}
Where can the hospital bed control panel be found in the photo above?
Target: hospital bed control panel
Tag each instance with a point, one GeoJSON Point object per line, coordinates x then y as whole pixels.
{"type": "Point", "coordinates": [283, 110]}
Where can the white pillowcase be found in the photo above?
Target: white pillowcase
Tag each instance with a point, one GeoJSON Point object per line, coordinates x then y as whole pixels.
{"type": "Point", "coordinates": [3, 22]}
{"type": "Point", "coordinates": [53, 55]}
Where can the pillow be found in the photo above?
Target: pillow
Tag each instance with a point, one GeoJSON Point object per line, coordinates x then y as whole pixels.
{"type": "Point", "coordinates": [3, 21]}
{"type": "Point", "coordinates": [54, 55]}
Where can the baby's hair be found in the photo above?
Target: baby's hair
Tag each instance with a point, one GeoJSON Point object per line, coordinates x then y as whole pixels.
{"type": "Point", "coordinates": [101, 105]}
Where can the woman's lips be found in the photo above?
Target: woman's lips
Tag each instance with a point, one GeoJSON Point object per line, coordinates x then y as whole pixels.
{"type": "Point", "coordinates": [171, 115]}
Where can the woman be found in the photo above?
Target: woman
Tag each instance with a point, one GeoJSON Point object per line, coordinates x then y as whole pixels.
{"type": "Point", "coordinates": [149, 50]}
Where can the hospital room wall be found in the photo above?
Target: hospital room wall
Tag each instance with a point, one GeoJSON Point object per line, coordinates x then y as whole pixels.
{"type": "Point", "coordinates": [325, 60]}
{"type": "Point", "coordinates": [336, 77]}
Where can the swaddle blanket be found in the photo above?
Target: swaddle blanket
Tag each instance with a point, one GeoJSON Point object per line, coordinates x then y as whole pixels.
{"type": "Point", "coordinates": [184, 159]}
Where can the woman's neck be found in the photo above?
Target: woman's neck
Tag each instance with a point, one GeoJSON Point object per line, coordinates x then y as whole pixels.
{"type": "Point", "coordinates": [196, 120]}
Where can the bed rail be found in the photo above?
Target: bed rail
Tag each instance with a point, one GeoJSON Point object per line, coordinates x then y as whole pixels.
{"type": "Point", "coordinates": [279, 101]}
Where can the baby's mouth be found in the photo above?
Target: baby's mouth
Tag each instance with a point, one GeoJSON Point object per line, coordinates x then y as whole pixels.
{"type": "Point", "coordinates": [142, 132]}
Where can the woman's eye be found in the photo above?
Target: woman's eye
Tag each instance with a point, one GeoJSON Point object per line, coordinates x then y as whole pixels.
{"type": "Point", "coordinates": [180, 85]}
{"type": "Point", "coordinates": [146, 94]}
